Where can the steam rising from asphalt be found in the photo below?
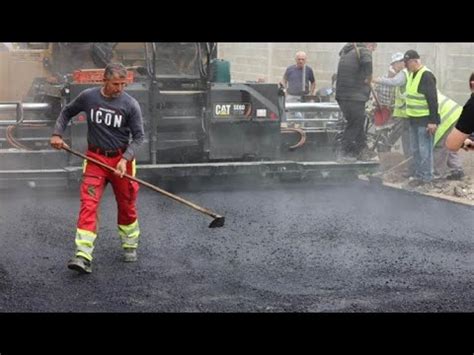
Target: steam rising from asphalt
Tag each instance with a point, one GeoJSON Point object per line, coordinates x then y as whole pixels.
{"type": "Point", "coordinates": [316, 52]}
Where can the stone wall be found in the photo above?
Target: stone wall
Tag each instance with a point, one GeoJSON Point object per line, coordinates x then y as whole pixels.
{"type": "Point", "coordinates": [452, 63]}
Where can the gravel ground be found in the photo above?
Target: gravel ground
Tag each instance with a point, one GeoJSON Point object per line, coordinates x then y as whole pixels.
{"type": "Point", "coordinates": [463, 189]}
{"type": "Point", "coordinates": [289, 248]}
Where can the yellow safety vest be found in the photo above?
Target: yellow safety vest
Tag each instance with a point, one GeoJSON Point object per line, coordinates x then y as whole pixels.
{"type": "Point", "coordinates": [400, 100]}
{"type": "Point", "coordinates": [449, 112]}
{"type": "Point", "coordinates": [417, 106]}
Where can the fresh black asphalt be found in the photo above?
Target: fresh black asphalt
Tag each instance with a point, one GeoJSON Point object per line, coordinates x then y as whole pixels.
{"type": "Point", "coordinates": [289, 248]}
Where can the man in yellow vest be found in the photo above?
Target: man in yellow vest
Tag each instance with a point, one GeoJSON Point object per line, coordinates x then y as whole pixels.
{"type": "Point", "coordinates": [423, 116]}
{"type": "Point", "coordinates": [449, 112]}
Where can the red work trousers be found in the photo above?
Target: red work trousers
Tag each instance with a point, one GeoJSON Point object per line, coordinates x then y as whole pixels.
{"type": "Point", "coordinates": [95, 179]}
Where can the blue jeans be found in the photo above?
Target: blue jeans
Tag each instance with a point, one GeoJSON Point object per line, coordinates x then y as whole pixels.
{"type": "Point", "coordinates": [421, 146]}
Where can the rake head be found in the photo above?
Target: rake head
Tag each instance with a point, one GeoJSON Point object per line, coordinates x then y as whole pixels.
{"type": "Point", "coordinates": [217, 222]}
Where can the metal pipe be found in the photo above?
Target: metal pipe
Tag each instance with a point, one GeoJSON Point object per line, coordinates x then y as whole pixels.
{"type": "Point", "coordinates": [290, 106]}
{"type": "Point", "coordinates": [27, 106]}
{"type": "Point", "coordinates": [25, 122]}
{"type": "Point", "coordinates": [312, 106]}
{"type": "Point", "coordinates": [181, 92]}
{"type": "Point", "coordinates": [313, 119]}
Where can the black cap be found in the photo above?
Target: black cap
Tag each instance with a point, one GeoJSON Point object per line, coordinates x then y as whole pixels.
{"type": "Point", "coordinates": [411, 54]}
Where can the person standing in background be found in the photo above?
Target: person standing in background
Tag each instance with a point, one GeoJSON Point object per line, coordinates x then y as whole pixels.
{"type": "Point", "coordinates": [298, 80]}
{"type": "Point", "coordinates": [423, 116]}
{"type": "Point", "coordinates": [354, 77]}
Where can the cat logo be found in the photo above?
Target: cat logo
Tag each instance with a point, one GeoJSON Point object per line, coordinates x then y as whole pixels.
{"type": "Point", "coordinates": [222, 110]}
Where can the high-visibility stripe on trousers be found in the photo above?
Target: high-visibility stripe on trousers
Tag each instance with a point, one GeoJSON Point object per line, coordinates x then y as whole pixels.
{"type": "Point", "coordinates": [94, 181]}
{"type": "Point", "coordinates": [129, 235]}
{"type": "Point", "coordinates": [85, 243]}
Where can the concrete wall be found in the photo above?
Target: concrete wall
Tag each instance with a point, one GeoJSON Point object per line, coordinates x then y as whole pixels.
{"type": "Point", "coordinates": [17, 70]}
{"type": "Point", "coordinates": [452, 63]}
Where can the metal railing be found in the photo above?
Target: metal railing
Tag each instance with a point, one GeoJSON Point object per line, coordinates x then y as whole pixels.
{"type": "Point", "coordinates": [20, 108]}
{"type": "Point", "coordinates": [315, 116]}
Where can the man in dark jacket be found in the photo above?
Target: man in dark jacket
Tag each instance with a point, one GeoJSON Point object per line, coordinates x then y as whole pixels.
{"type": "Point", "coordinates": [354, 74]}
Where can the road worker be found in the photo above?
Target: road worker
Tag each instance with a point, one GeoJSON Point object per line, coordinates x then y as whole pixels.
{"type": "Point", "coordinates": [114, 132]}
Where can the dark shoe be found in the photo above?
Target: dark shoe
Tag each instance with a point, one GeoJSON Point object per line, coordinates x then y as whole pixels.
{"type": "Point", "coordinates": [80, 264]}
{"type": "Point", "coordinates": [130, 255]}
{"type": "Point", "coordinates": [455, 175]}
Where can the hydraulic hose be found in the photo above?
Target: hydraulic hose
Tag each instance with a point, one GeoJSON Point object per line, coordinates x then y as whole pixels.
{"type": "Point", "coordinates": [302, 134]}
{"type": "Point", "coordinates": [12, 140]}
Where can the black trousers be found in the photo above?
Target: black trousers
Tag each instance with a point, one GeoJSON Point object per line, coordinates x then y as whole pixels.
{"type": "Point", "coordinates": [353, 138]}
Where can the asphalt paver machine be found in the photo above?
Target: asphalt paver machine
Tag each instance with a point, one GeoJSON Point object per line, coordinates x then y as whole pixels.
{"type": "Point", "coordinates": [198, 122]}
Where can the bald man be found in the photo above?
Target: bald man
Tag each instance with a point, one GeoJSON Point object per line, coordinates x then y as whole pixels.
{"type": "Point", "coordinates": [298, 79]}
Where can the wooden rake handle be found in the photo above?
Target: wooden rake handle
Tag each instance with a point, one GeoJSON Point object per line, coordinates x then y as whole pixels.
{"type": "Point", "coordinates": [218, 219]}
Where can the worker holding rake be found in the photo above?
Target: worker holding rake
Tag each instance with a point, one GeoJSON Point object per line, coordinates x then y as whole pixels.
{"type": "Point", "coordinates": [114, 132]}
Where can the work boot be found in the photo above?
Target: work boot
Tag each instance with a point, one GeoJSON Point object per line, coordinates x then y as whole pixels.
{"type": "Point", "coordinates": [455, 175]}
{"type": "Point", "coordinates": [130, 255]}
{"type": "Point", "coordinates": [80, 264]}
